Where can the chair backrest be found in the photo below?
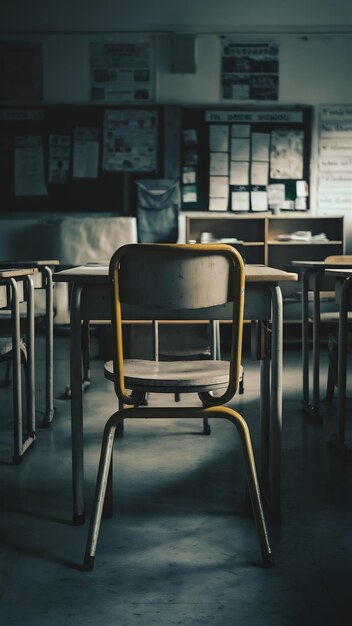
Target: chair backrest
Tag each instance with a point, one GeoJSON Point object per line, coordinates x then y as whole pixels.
{"type": "Point", "coordinates": [170, 281]}
{"type": "Point", "coordinates": [339, 259]}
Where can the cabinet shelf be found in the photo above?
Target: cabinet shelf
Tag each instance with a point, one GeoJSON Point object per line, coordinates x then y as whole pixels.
{"type": "Point", "coordinates": [259, 233]}
{"type": "Point", "coordinates": [305, 243]}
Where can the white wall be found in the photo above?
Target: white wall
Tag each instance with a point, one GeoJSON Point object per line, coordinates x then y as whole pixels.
{"type": "Point", "coordinates": [314, 37]}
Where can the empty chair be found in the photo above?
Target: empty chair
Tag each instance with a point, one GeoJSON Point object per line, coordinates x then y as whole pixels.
{"type": "Point", "coordinates": [175, 282]}
{"type": "Point", "coordinates": [16, 285]}
{"type": "Point", "coordinates": [338, 260]}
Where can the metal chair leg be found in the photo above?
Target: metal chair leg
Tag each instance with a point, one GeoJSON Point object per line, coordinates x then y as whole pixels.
{"type": "Point", "coordinates": [86, 355]}
{"type": "Point", "coordinates": [253, 487]}
{"type": "Point", "coordinates": [104, 470]}
{"type": "Point", "coordinates": [100, 491]}
{"type": "Point", "coordinates": [206, 426]}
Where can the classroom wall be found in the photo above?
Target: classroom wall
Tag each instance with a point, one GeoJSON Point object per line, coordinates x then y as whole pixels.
{"type": "Point", "coordinates": [314, 38]}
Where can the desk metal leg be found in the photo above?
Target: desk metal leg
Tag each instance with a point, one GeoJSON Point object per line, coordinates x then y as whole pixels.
{"type": "Point", "coordinates": [16, 372]}
{"type": "Point", "coordinates": [305, 337]}
{"type": "Point", "coordinates": [31, 359]}
{"type": "Point", "coordinates": [276, 401]}
{"type": "Point", "coordinates": [316, 348]}
{"type": "Point", "coordinates": [339, 439]}
{"type": "Point", "coordinates": [20, 444]}
{"type": "Point", "coordinates": [49, 348]}
{"type": "Point", "coordinates": [265, 421]}
{"type": "Point", "coordinates": [77, 408]}
{"type": "Point", "coordinates": [312, 410]}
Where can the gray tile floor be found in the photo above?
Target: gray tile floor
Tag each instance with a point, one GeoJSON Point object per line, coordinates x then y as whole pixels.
{"type": "Point", "coordinates": [179, 549]}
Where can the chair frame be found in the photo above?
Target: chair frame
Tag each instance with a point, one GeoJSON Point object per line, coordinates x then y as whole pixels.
{"type": "Point", "coordinates": [212, 405]}
{"type": "Point", "coordinates": [18, 355]}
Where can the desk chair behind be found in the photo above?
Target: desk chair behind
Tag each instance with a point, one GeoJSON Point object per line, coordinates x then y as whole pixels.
{"type": "Point", "coordinates": [175, 282]}
{"type": "Point", "coordinates": [17, 285]}
{"type": "Point", "coordinates": [338, 260]}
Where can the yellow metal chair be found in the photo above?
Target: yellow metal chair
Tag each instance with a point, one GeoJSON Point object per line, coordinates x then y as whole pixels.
{"type": "Point", "coordinates": [175, 282]}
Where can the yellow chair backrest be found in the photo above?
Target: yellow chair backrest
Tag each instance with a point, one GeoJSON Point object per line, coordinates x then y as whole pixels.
{"type": "Point", "coordinates": [177, 282]}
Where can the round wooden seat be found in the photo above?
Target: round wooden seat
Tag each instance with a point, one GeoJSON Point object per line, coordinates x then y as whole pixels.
{"type": "Point", "coordinates": [166, 376]}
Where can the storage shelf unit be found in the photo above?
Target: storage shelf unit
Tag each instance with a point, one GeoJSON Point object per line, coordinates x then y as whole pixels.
{"type": "Point", "coordinates": [259, 233]}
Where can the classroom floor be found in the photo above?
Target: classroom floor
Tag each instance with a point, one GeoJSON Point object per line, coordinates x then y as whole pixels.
{"type": "Point", "coordinates": [179, 549]}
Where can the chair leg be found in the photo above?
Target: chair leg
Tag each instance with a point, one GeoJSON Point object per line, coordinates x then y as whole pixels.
{"type": "Point", "coordinates": [253, 487]}
{"type": "Point", "coordinates": [108, 510]}
{"type": "Point", "coordinates": [241, 383]}
{"type": "Point", "coordinates": [29, 420]}
{"type": "Point", "coordinates": [206, 426]}
{"type": "Point", "coordinates": [86, 355]}
{"type": "Point", "coordinates": [330, 386]}
{"type": "Point", "coordinates": [100, 490]}
{"type": "Point", "coordinates": [332, 370]}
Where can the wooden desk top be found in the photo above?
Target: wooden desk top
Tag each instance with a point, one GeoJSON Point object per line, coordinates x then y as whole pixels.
{"type": "Point", "coordinates": [34, 263]}
{"type": "Point", "coordinates": [99, 274]}
{"type": "Point", "coordinates": [340, 272]}
{"type": "Point", "coordinates": [319, 264]}
{"type": "Point", "coordinates": [17, 273]}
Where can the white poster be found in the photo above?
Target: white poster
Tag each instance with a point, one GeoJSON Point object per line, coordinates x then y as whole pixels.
{"type": "Point", "coordinates": [249, 71]}
{"type": "Point", "coordinates": [29, 166]}
{"type": "Point", "coordinates": [286, 154]}
{"type": "Point", "coordinates": [86, 153]}
{"type": "Point", "coordinates": [122, 71]}
{"type": "Point", "coordinates": [335, 157]}
{"type": "Point", "coordinates": [130, 141]}
{"type": "Point", "coordinates": [59, 158]}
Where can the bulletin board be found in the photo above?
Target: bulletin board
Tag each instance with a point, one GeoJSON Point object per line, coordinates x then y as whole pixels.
{"type": "Point", "coordinates": [246, 160]}
{"type": "Point", "coordinates": [77, 158]}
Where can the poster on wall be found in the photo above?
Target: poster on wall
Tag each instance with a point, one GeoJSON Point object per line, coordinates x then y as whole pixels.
{"type": "Point", "coordinates": [130, 141]}
{"type": "Point", "coordinates": [335, 157]}
{"type": "Point", "coordinates": [286, 154]}
{"type": "Point", "coordinates": [249, 71]}
{"type": "Point", "coordinates": [122, 71]}
{"type": "Point", "coordinates": [86, 153]}
{"type": "Point", "coordinates": [59, 158]}
{"type": "Point", "coordinates": [29, 174]}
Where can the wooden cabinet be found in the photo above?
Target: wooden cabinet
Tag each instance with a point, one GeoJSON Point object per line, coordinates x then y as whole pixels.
{"type": "Point", "coordinates": [266, 239]}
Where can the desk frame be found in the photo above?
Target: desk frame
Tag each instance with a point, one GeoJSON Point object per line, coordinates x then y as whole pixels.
{"type": "Point", "coordinates": [339, 439]}
{"type": "Point", "coordinates": [14, 297]}
{"type": "Point", "coordinates": [312, 272]}
{"type": "Point", "coordinates": [44, 268]}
